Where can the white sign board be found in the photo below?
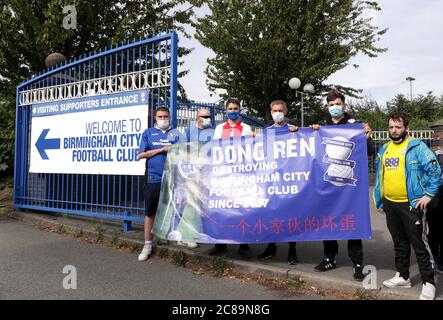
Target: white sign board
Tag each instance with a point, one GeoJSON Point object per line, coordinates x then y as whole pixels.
{"type": "Point", "coordinates": [91, 135]}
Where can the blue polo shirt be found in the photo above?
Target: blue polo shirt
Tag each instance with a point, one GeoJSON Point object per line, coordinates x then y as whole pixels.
{"type": "Point", "coordinates": [196, 134]}
{"type": "Point", "coordinates": [152, 139]}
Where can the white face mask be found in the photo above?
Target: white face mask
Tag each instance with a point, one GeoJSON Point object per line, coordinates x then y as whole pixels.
{"type": "Point", "coordinates": [163, 124]}
{"type": "Point", "coordinates": [278, 117]}
{"type": "Point", "coordinates": [206, 123]}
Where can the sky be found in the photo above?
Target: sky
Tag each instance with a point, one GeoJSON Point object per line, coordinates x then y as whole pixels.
{"type": "Point", "coordinates": [415, 49]}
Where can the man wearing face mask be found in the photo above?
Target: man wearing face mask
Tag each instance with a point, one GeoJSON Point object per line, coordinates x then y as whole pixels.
{"type": "Point", "coordinates": [408, 178]}
{"type": "Point", "coordinates": [233, 127]}
{"type": "Point", "coordinates": [336, 108]}
{"type": "Point", "coordinates": [278, 112]}
{"type": "Point", "coordinates": [203, 130]}
{"type": "Point", "coordinates": [154, 146]}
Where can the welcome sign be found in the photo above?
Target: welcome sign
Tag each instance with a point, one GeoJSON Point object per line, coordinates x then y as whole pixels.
{"type": "Point", "coordinates": [90, 135]}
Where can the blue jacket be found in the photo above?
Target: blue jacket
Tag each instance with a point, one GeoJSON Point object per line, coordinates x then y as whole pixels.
{"type": "Point", "coordinates": [423, 174]}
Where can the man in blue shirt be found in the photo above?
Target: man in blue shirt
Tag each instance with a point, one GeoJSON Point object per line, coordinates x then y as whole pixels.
{"type": "Point", "coordinates": [278, 112]}
{"type": "Point", "coordinates": [154, 146]}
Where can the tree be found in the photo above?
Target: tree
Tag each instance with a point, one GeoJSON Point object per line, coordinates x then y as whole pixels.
{"type": "Point", "coordinates": [30, 30]}
{"type": "Point", "coordinates": [422, 110]}
{"type": "Point", "coordinates": [6, 136]}
{"type": "Point", "coordinates": [369, 111]}
{"type": "Point", "coordinates": [260, 44]}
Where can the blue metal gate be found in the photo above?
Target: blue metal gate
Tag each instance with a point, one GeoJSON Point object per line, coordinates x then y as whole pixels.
{"type": "Point", "coordinates": [149, 63]}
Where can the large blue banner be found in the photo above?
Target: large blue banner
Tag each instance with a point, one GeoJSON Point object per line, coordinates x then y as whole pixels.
{"type": "Point", "coordinates": [276, 187]}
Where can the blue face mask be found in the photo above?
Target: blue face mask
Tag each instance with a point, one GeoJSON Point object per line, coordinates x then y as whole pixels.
{"type": "Point", "coordinates": [336, 111]}
{"type": "Point", "coordinates": [233, 115]}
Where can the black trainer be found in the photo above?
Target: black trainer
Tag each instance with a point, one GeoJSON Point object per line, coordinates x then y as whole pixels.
{"type": "Point", "coordinates": [270, 252]}
{"type": "Point", "coordinates": [244, 251]}
{"type": "Point", "coordinates": [292, 257]}
{"type": "Point", "coordinates": [218, 250]}
{"type": "Point", "coordinates": [358, 272]}
{"type": "Point", "coordinates": [325, 265]}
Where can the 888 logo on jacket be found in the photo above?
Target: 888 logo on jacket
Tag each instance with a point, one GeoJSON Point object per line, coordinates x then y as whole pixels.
{"type": "Point", "coordinates": [392, 162]}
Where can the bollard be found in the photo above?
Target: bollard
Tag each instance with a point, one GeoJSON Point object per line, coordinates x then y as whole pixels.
{"type": "Point", "coordinates": [127, 224]}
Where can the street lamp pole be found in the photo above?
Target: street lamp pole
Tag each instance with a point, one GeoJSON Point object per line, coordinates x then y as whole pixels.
{"type": "Point", "coordinates": [295, 83]}
{"type": "Point", "coordinates": [302, 111]}
{"type": "Point", "coordinates": [410, 79]}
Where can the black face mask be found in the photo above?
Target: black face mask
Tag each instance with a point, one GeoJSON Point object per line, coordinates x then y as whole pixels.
{"type": "Point", "coordinates": [400, 137]}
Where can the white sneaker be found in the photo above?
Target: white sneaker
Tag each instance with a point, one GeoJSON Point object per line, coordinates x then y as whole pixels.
{"type": "Point", "coordinates": [397, 281]}
{"type": "Point", "coordinates": [427, 292]}
{"type": "Point", "coordinates": [191, 245]}
{"type": "Point", "coordinates": [147, 250]}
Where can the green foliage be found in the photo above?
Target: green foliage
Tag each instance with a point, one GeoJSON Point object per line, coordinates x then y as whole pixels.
{"type": "Point", "coordinates": [62, 229]}
{"type": "Point", "coordinates": [369, 111]}
{"type": "Point", "coordinates": [30, 30]}
{"type": "Point", "coordinates": [297, 282]}
{"type": "Point", "coordinates": [259, 45]}
{"type": "Point", "coordinates": [6, 182]}
{"type": "Point", "coordinates": [99, 232]}
{"type": "Point", "coordinates": [422, 110]}
{"type": "Point", "coordinates": [100, 23]}
{"type": "Point", "coordinates": [115, 237]}
{"type": "Point", "coordinates": [315, 110]}
{"type": "Point", "coordinates": [219, 265]}
{"type": "Point", "coordinates": [363, 294]}
{"type": "Point", "coordinates": [6, 137]}
{"type": "Point", "coordinates": [180, 258]}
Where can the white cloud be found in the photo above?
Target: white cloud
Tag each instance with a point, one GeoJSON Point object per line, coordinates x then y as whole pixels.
{"type": "Point", "coordinates": [415, 48]}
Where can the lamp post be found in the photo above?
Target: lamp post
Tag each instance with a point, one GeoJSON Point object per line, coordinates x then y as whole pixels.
{"type": "Point", "coordinates": [410, 79]}
{"type": "Point", "coordinates": [295, 83]}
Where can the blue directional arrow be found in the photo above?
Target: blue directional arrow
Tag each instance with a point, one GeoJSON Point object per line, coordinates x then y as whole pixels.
{"type": "Point", "coordinates": [43, 144]}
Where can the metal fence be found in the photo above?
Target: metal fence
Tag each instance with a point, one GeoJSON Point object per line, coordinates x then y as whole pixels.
{"type": "Point", "coordinates": [148, 63]}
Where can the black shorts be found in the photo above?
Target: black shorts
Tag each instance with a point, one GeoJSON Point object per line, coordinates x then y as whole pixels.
{"type": "Point", "coordinates": [151, 192]}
